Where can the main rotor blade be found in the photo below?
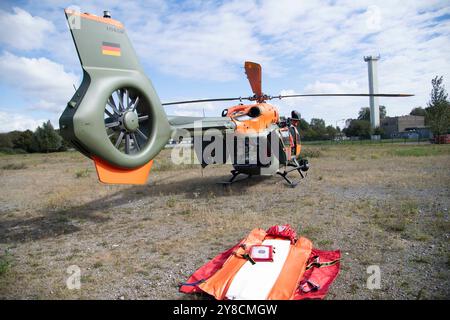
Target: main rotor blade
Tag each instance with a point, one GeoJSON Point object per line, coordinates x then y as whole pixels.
{"type": "Point", "coordinates": [204, 100]}
{"type": "Point", "coordinates": [253, 72]}
{"type": "Point", "coordinates": [343, 95]}
{"type": "Point", "coordinates": [295, 96]}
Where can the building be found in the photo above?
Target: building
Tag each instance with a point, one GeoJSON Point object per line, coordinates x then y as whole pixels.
{"type": "Point", "coordinates": [405, 127]}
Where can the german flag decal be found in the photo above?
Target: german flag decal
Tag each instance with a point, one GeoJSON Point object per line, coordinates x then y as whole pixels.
{"type": "Point", "coordinates": [111, 49]}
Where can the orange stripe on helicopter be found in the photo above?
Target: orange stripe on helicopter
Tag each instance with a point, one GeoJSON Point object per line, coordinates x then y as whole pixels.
{"type": "Point", "coordinates": [93, 17]}
{"type": "Point", "coordinates": [109, 174]}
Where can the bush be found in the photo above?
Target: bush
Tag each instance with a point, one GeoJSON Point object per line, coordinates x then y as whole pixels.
{"type": "Point", "coordinates": [46, 139]}
{"type": "Point", "coordinates": [6, 150]}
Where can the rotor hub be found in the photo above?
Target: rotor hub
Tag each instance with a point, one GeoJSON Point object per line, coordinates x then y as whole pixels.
{"type": "Point", "coordinates": [130, 121]}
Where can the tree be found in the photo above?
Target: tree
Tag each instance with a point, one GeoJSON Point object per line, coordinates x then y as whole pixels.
{"type": "Point", "coordinates": [418, 111]}
{"type": "Point", "coordinates": [303, 125]}
{"type": "Point", "coordinates": [438, 110]}
{"type": "Point", "coordinates": [318, 125]}
{"type": "Point", "coordinates": [378, 131]}
{"type": "Point", "coordinates": [331, 132]}
{"type": "Point", "coordinates": [5, 141]}
{"type": "Point", "coordinates": [22, 140]}
{"type": "Point", "coordinates": [364, 113]}
{"type": "Point", "coordinates": [358, 128]}
{"type": "Point", "coordinates": [46, 139]}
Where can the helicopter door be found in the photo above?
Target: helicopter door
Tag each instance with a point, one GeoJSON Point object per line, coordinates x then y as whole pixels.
{"type": "Point", "coordinates": [286, 145]}
{"type": "Point", "coordinates": [296, 146]}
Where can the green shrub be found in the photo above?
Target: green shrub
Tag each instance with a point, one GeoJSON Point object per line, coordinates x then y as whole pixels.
{"type": "Point", "coordinates": [46, 139]}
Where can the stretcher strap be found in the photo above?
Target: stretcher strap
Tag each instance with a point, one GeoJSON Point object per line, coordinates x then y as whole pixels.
{"type": "Point", "coordinates": [318, 264]}
{"type": "Point", "coordinates": [192, 283]}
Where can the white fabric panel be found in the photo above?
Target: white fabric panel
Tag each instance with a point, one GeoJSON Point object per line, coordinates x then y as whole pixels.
{"type": "Point", "coordinates": [254, 282]}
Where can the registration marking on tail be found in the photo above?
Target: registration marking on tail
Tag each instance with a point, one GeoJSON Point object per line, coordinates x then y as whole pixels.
{"type": "Point", "coordinates": [111, 49]}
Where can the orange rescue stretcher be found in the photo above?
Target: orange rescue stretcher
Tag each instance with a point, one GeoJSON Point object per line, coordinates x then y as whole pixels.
{"type": "Point", "coordinates": [293, 270]}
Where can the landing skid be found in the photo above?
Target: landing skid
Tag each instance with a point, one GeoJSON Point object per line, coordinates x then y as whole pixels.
{"type": "Point", "coordinates": [300, 168]}
{"type": "Point", "coordinates": [296, 167]}
{"type": "Point", "coordinates": [234, 174]}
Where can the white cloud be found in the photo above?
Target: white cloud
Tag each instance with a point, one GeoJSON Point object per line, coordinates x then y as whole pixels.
{"type": "Point", "coordinates": [329, 87]}
{"type": "Point", "coordinates": [14, 121]}
{"type": "Point", "coordinates": [20, 30]}
{"type": "Point", "coordinates": [322, 107]}
{"type": "Point", "coordinates": [326, 41]}
{"type": "Point", "coordinates": [44, 83]}
{"type": "Point", "coordinates": [210, 43]}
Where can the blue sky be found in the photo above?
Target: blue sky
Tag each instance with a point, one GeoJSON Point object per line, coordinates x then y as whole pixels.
{"type": "Point", "coordinates": [196, 49]}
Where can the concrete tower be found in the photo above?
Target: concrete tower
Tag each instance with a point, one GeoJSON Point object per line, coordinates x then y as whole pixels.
{"type": "Point", "coordinates": [373, 88]}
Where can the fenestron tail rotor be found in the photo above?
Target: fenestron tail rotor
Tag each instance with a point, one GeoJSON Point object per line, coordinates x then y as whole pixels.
{"type": "Point", "coordinates": [126, 122]}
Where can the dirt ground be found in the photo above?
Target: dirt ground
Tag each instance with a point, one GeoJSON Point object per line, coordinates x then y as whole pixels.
{"type": "Point", "coordinates": [385, 205]}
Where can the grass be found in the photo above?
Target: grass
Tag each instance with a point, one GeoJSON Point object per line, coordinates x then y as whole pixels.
{"type": "Point", "coordinates": [311, 152]}
{"type": "Point", "coordinates": [396, 217]}
{"type": "Point", "coordinates": [171, 202]}
{"type": "Point", "coordinates": [325, 242]}
{"type": "Point", "coordinates": [419, 151]}
{"type": "Point", "coordinates": [421, 259]}
{"type": "Point", "coordinates": [14, 166]}
{"type": "Point", "coordinates": [379, 208]}
{"type": "Point", "coordinates": [82, 173]}
{"type": "Point", "coordinates": [364, 142]}
{"type": "Point", "coordinates": [5, 263]}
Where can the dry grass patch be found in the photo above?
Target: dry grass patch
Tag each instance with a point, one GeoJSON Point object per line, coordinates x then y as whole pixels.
{"type": "Point", "coordinates": [14, 166]}
{"type": "Point", "coordinates": [139, 242]}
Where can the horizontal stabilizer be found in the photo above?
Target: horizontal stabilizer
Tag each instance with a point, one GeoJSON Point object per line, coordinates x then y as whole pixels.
{"type": "Point", "coordinates": [200, 123]}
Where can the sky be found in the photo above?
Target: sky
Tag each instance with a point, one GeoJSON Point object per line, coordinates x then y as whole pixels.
{"type": "Point", "coordinates": [196, 49]}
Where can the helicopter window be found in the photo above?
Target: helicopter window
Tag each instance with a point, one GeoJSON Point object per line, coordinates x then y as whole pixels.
{"type": "Point", "coordinates": [285, 137]}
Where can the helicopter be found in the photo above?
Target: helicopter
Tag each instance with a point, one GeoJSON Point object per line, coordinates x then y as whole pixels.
{"type": "Point", "coordinates": [117, 119]}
